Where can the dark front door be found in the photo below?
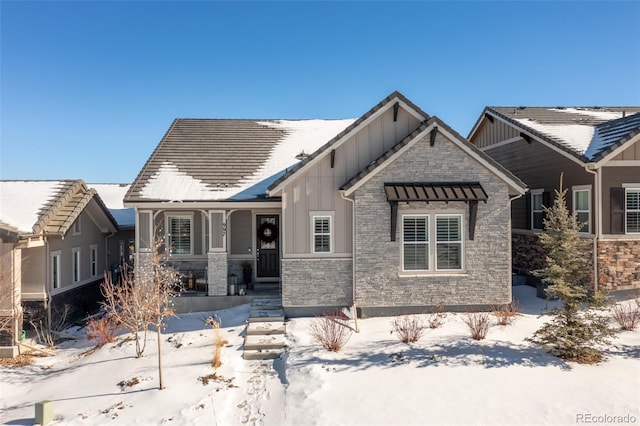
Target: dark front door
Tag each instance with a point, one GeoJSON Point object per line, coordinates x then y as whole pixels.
{"type": "Point", "coordinates": [268, 246]}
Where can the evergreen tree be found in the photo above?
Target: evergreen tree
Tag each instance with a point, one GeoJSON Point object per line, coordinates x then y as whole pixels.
{"type": "Point", "coordinates": [573, 332]}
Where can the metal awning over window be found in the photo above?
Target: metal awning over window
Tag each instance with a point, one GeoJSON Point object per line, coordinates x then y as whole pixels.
{"type": "Point", "coordinates": [468, 192]}
{"type": "Point", "coordinates": [459, 191]}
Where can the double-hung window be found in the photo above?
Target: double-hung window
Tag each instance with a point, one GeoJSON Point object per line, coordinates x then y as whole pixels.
{"type": "Point", "coordinates": [415, 243]}
{"type": "Point", "coordinates": [632, 210]}
{"type": "Point", "coordinates": [94, 260]}
{"type": "Point", "coordinates": [321, 233]}
{"type": "Point", "coordinates": [424, 246]}
{"type": "Point", "coordinates": [55, 268]}
{"type": "Point", "coordinates": [537, 212]}
{"type": "Point", "coordinates": [582, 207]}
{"type": "Point", "coordinates": [449, 242]}
{"type": "Point", "coordinates": [179, 237]}
{"type": "Point", "coordinates": [75, 260]}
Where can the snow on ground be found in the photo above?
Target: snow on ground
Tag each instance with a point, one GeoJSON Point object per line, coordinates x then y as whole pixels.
{"type": "Point", "coordinates": [445, 379]}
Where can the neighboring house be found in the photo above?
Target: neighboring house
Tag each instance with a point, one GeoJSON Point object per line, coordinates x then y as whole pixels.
{"type": "Point", "coordinates": [10, 300]}
{"type": "Point", "coordinates": [394, 211]}
{"type": "Point", "coordinates": [62, 230]}
{"type": "Point", "coordinates": [598, 152]}
{"type": "Point", "coordinates": [120, 246]}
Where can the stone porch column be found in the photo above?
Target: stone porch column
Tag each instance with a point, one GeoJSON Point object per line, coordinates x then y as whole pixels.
{"type": "Point", "coordinates": [217, 277]}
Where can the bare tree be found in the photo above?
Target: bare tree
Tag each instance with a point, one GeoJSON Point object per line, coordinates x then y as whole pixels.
{"type": "Point", "coordinates": [144, 299]}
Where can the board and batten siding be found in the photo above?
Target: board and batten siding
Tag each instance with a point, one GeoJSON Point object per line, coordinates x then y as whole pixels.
{"type": "Point", "coordinates": [629, 154]}
{"type": "Point", "coordinates": [316, 190]}
{"type": "Point", "coordinates": [615, 177]}
{"type": "Point", "coordinates": [492, 133]}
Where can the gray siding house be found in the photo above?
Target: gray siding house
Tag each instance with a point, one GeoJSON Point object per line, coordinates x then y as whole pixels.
{"type": "Point", "coordinates": [393, 211]}
{"type": "Point", "coordinates": [59, 252]}
{"type": "Point", "coordinates": [598, 152]}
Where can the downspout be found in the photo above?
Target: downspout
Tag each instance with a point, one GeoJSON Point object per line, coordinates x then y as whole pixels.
{"type": "Point", "coordinates": [597, 234]}
{"type": "Point", "coordinates": [353, 257]}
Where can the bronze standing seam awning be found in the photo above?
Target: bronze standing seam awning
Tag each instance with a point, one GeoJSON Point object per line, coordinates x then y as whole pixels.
{"type": "Point", "coordinates": [468, 192]}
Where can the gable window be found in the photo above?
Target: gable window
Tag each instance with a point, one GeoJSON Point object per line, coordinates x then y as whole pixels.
{"type": "Point", "coordinates": [179, 237]}
{"type": "Point", "coordinates": [448, 242]}
{"type": "Point", "coordinates": [76, 227]}
{"type": "Point", "coordinates": [537, 212]}
{"type": "Point", "coordinates": [632, 210]}
{"type": "Point", "coordinates": [55, 269]}
{"type": "Point", "coordinates": [415, 243]}
{"type": "Point", "coordinates": [321, 233]}
{"type": "Point", "coordinates": [94, 260]}
{"type": "Point", "coordinates": [75, 259]}
{"type": "Point", "coordinates": [582, 207]}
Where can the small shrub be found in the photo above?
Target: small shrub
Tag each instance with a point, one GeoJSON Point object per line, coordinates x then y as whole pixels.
{"type": "Point", "coordinates": [409, 328]}
{"type": "Point", "coordinates": [626, 315]}
{"type": "Point", "coordinates": [218, 343]}
{"type": "Point", "coordinates": [478, 324]}
{"type": "Point", "coordinates": [436, 318]}
{"type": "Point", "coordinates": [330, 331]}
{"type": "Point", "coordinates": [101, 330]}
{"type": "Point", "coordinates": [506, 314]}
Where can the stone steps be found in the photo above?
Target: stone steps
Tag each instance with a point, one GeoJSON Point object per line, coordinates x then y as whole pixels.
{"type": "Point", "coordinates": [265, 333]}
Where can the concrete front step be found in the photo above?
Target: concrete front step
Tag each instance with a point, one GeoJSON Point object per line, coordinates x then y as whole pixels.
{"type": "Point", "coordinates": [262, 354]}
{"type": "Point", "coordinates": [265, 315]}
{"type": "Point", "coordinates": [253, 342]}
{"type": "Point", "coordinates": [266, 303]}
{"type": "Point", "coordinates": [265, 328]}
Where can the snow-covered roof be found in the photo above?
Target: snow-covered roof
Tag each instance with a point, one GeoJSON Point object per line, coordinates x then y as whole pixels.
{"type": "Point", "coordinates": [585, 131]}
{"type": "Point", "coordinates": [212, 159]}
{"type": "Point", "coordinates": [112, 195]}
{"type": "Point", "coordinates": [22, 201]}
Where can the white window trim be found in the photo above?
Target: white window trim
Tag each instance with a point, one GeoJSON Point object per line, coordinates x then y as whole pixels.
{"type": "Point", "coordinates": [55, 256]}
{"type": "Point", "coordinates": [535, 192]}
{"type": "Point", "coordinates": [93, 264]}
{"type": "Point", "coordinates": [209, 218]}
{"type": "Point", "coordinates": [77, 227]}
{"type": "Point", "coordinates": [170, 241]}
{"type": "Point", "coordinates": [432, 243]}
{"type": "Point", "coordinates": [76, 261]}
{"type": "Point", "coordinates": [316, 215]}
{"type": "Point", "coordinates": [627, 188]}
{"type": "Point", "coordinates": [435, 242]}
{"type": "Point", "coordinates": [427, 243]}
{"type": "Point", "coordinates": [575, 190]}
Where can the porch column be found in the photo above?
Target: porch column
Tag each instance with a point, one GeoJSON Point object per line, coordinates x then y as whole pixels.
{"type": "Point", "coordinates": [217, 278]}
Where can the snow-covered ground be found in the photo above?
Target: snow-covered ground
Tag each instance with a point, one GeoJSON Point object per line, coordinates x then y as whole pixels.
{"type": "Point", "coordinates": [445, 379]}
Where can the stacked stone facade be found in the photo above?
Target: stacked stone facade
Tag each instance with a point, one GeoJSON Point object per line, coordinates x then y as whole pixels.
{"type": "Point", "coordinates": [486, 278]}
{"type": "Point", "coordinates": [619, 264]}
{"type": "Point", "coordinates": [317, 283]}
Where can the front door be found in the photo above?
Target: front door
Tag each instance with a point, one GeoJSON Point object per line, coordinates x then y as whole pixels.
{"type": "Point", "coordinates": [268, 246]}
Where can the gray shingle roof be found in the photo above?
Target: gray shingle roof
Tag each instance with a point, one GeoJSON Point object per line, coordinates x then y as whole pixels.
{"type": "Point", "coordinates": [576, 130]}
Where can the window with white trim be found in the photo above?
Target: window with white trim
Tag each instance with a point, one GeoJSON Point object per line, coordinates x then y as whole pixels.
{"type": "Point", "coordinates": [75, 261]}
{"type": "Point", "coordinates": [440, 245]}
{"type": "Point", "coordinates": [415, 243]}
{"type": "Point", "coordinates": [94, 260]}
{"type": "Point", "coordinates": [55, 268]}
{"type": "Point", "coordinates": [321, 234]}
{"type": "Point", "coordinates": [448, 242]}
{"type": "Point", "coordinates": [180, 232]}
{"type": "Point", "coordinates": [632, 210]}
{"type": "Point", "coordinates": [582, 207]}
{"type": "Point", "coordinates": [537, 212]}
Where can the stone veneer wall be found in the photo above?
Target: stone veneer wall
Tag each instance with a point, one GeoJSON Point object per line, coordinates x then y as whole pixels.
{"type": "Point", "coordinates": [217, 278]}
{"type": "Point", "coordinates": [529, 255]}
{"type": "Point", "coordinates": [487, 276]}
{"type": "Point", "coordinates": [619, 264]}
{"type": "Point", "coordinates": [316, 283]}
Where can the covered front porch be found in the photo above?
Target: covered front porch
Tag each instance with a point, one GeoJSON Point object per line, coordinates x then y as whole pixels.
{"type": "Point", "coordinates": [219, 253]}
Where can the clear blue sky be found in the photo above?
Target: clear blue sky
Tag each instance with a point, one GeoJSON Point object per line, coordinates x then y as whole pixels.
{"type": "Point", "coordinates": [89, 88]}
